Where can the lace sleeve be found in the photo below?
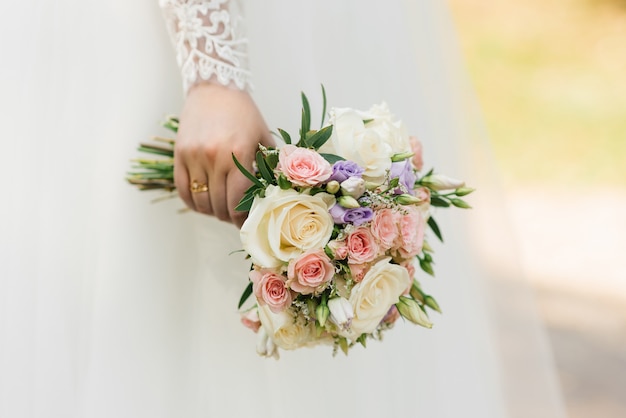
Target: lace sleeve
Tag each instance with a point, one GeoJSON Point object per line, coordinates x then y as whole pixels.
{"type": "Point", "coordinates": [208, 42]}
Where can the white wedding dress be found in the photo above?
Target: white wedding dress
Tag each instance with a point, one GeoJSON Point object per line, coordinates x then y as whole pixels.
{"type": "Point", "coordinates": [112, 306]}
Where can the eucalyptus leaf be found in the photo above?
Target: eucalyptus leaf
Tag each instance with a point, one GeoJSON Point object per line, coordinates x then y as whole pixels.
{"type": "Point", "coordinates": [245, 295]}
{"type": "Point", "coordinates": [439, 202]}
{"type": "Point", "coordinates": [331, 158]}
{"type": "Point", "coordinates": [320, 137]}
{"type": "Point", "coordinates": [435, 228]}
{"type": "Point", "coordinates": [285, 135]}
{"type": "Point", "coordinates": [266, 173]}
{"type": "Point", "coordinates": [246, 173]}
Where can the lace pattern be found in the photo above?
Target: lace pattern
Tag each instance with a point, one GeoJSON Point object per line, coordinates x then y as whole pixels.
{"type": "Point", "coordinates": [208, 42]}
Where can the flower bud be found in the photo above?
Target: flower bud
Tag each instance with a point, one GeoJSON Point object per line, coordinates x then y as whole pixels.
{"type": "Point", "coordinates": [371, 185]}
{"type": "Point", "coordinates": [460, 203]}
{"type": "Point", "coordinates": [416, 292]}
{"type": "Point", "coordinates": [348, 202]}
{"type": "Point", "coordinates": [440, 182]}
{"type": "Point", "coordinates": [265, 345]}
{"type": "Point", "coordinates": [432, 303]}
{"type": "Point", "coordinates": [401, 156]}
{"type": "Point", "coordinates": [464, 191]}
{"type": "Point", "coordinates": [407, 199]}
{"type": "Point", "coordinates": [411, 310]}
{"type": "Point", "coordinates": [354, 186]}
{"type": "Point", "coordinates": [341, 312]}
{"type": "Point", "coordinates": [322, 313]}
{"type": "Point", "coordinates": [332, 187]}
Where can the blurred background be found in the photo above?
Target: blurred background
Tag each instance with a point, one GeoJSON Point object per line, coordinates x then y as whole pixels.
{"type": "Point", "coordinates": [550, 76]}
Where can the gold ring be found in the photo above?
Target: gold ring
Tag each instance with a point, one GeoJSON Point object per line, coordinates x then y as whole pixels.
{"type": "Point", "coordinates": [197, 187]}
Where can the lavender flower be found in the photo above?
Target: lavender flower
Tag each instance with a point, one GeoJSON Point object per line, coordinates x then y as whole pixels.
{"type": "Point", "coordinates": [403, 171]}
{"type": "Point", "coordinates": [342, 170]}
{"type": "Point", "coordinates": [356, 216]}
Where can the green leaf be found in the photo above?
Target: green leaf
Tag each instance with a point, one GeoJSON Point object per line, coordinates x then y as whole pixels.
{"type": "Point", "coordinates": [435, 228]}
{"type": "Point", "coordinates": [266, 173]}
{"type": "Point", "coordinates": [272, 161]}
{"type": "Point", "coordinates": [366, 121]}
{"type": "Point", "coordinates": [245, 295]}
{"type": "Point", "coordinates": [245, 204]}
{"type": "Point", "coordinates": [246, 173]}
{"type": "Point", "coordinates": [283, 182]}
{"type": "Point", "coordinates": [171, 123]}
{"type": "Point", "coordinates": [439, 202]}
{"type": "Point", "coordinates": [153, 149]}
{"type": "Point", "coordinates": [331, 158]}
{"type": "Point", "coordinates": [320, 137]}
{"type": "Point", "coordinates": [285, 135]}
{"type": "Point", "coordinates": [323, 106]}
{"type": "Point", "coordinates": [306, 117]}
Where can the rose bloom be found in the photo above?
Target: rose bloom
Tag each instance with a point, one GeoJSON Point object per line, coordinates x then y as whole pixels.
{"type": "Point", "coordinates": [362, 247]}
{"type": "Point", "coordinates": [287, 332]}
{"type": "Point", "coordinates": [310, 272]}
{"type": "Point", "coordinates": [352, 140]}
{"type": "Point", "coordinates": [412, 225]}
{"type": "Point", "coordinates": [371, 299]}
{"type": "Point", "coordinates": [251, 320]}
{"type": "Point", "coordinates": [303, 167]}
{"type": "Point", "coordinates": [390, 129]}
{"type": "Point", "coordinates": [385, 227]}
{"type": "Point", "coordinates": [339, 249]}
{"type": "Point", "coordinates": [358, 271]}
{"type": "Point", "coordinates": [285, 224]}
{"type": "Point", "coordinates": [416, 147]}
{"type": "Point", "coordinates": [270, 288]}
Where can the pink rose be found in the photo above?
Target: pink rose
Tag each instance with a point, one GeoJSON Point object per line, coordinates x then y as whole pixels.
{"type": "Point", "coordinates": [416, 147]}
{"type": "Point", "coordinates": [362, 247]}
{"type": "Point", "coordinates": [303, 167]}
{"type": "Point", "coordinates": [358, 271]}
{"type": "Point", "coordinates": [339, 249]}
{"type": "Point", "coordinates": [270, 289]}
{"type": "Point", "coordinates": [251, 320]}
{"type": "Point", "coordinates": [310, 272]}
{"type": "Point", "coordinates": [412, 225]}
{"type": "Point", "coordinates": [385, 228]}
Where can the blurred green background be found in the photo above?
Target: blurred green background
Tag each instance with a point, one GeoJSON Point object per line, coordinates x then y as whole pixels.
{"type": "Point", "coordinates": [550, 76]}
{"type": "Point", "coordinates": [551, 79]}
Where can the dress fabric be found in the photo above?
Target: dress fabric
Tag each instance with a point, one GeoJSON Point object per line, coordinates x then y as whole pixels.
{"type": "Point", "coordinates": [113, 306]}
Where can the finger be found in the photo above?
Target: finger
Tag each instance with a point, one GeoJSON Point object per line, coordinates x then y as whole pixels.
{"type": "Point", "coordinates": [217, 192]}
{"type": "Point", "coordinates": [237, 185]}
{"type": "Point", "coordinates": [181, 180]}
{"type": "Point", "coordinates": [200, 190]}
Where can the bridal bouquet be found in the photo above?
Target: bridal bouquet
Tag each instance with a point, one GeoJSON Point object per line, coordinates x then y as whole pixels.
{"type": "Point", "coordinates": [335, 230]}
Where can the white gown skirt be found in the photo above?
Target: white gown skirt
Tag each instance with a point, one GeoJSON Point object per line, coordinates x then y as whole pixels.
{"type": "Point", "coordinates": [112, 306]}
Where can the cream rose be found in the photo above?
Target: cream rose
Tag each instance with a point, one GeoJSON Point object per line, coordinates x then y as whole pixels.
{"type": "Point", "coordinates": [371, 299]}
{"type": "Point", "coordinates": [286, 331]}
{"type": "Point", "coordinates": [284, 224]}
{"type": "Point", "coordinates": [390, 130]}
{"type": "Point", "coordinates": [352, 140]}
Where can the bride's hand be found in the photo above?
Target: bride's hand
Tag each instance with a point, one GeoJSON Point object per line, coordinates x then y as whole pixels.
{"type": "Point", "coordinates": [216, 122]}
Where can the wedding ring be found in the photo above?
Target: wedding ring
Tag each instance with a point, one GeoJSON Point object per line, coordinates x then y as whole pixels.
{"type": "Point", "coordinates": [197, 187]}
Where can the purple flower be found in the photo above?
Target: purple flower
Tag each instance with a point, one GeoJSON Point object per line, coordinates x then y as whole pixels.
{"type": "Point", "coordinates": [356, 216]}
{"type": "Point", "coordinates": [342, 170]}
{"type": "Point", "coordinates": [403, 171]}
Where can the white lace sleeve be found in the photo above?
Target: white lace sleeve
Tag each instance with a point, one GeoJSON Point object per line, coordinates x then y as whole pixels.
{"type": "Point", "coordinates": [209, 44]}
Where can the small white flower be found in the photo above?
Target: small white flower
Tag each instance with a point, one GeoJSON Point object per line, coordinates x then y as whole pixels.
{"type": "Point", "coordinates": [341, 312]}
{"type": "Point", "coordinates": [440, 182]}
{"type": "Point", "coordinates": [353, 186]}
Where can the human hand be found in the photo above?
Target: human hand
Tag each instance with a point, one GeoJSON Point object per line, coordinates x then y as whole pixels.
{"type": "Point", "coordinates": [216, 122]}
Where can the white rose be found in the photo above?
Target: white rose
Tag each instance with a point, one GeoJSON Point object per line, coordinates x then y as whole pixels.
{"type": "Point", "coordinates": [284, 224]}
{"type": "Point", "coordinates": [353, 141]}
{"type": "Point", "coordinates": [390, 130]}
{"type": "Point", "coordinates": [380, 288]}
{"type": "Point", "coordinates": [286, 331]}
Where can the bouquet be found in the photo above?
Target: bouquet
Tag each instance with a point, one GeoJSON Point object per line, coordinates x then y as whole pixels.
{"type": "Point", "coordinates": [335, 230]}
